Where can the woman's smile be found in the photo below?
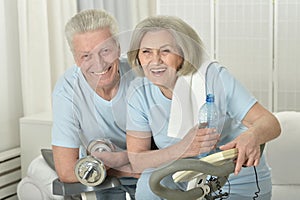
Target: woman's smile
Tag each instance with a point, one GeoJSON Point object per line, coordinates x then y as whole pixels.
{"type": "Point", "coordinates": [158, 71]}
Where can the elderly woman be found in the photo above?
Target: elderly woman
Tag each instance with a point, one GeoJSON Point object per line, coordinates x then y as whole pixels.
{"type": "Point", "coordinates": [163, 49]}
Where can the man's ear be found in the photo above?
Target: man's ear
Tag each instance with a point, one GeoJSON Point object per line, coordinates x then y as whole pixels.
{"type": "Point", "coordinates": [78, 64]}
{"type": "Point", "coordinates": [119, 49]}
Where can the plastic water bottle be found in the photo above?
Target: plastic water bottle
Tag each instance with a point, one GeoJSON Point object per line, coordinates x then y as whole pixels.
{"type": "Point", "coordinates": [208, 114]}
{"type": "Point", "coordinates": [208, 117]}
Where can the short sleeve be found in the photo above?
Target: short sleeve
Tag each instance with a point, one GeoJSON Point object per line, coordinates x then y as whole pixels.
{"type": "Point", "coordinates": [137, 117]}
{"type": "Point", "coordinates": [65, 128]}
{"type": "Point", "coordinates": [238, 99]}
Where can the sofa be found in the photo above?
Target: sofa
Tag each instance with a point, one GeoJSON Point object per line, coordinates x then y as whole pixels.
{"type": "Point", "coordinates": [281, 155]}
{"type": "Point", "coordinates": [37, 184]}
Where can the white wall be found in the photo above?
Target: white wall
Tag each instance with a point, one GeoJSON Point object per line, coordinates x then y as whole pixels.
{"type": "Point", "coordinates": [126, 12]}
{"type": "Point", "coordinates": [33, 54]}
{"type": "Point", "coordinates": [257, 40]}
{"type": "Point", "coordinates": [287, 55]}
{"type": "Point", "coordinates": [10, 78]}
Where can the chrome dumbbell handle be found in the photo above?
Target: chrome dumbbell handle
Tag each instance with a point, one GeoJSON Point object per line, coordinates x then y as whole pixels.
{"type": "Point", "coordinates": [100, 145]}
{"type": "Point", "coordinates": [90, 171]}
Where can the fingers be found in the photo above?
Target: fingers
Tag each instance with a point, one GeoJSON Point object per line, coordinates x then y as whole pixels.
{"type": "Point", "coordinates": [252, 161]}
{"type": "Point", "coordinates": [227, 146]}
{"type": "Point", "coordinates": [199, 141]}
{"type": "Point", "coordinates": [208, 142]}
{"type": "Point", "coordinates": [239, 163]}
{"type": "Point", "coordinates": [208, 132]}
{"type": "Point", "coordinates": [246, 159]}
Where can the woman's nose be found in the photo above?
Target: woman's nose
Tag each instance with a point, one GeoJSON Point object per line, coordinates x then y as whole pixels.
{"type": "Point", "coordinates": [156, 58]}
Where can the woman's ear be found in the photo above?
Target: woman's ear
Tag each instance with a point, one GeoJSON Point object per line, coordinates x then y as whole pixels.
{"type": "Point", "coordinates": [138, 62]}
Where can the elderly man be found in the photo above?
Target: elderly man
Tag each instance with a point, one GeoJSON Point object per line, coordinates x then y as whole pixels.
{"type": "Point", "coordinates": [88, 101]}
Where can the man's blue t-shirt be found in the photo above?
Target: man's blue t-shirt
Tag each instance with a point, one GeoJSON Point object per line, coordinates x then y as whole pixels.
{"type": "Point", "coordinates": [80, 115]}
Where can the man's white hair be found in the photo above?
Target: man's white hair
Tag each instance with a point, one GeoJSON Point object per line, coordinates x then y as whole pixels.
{"type": "Point", "coordinates": [90, 20]}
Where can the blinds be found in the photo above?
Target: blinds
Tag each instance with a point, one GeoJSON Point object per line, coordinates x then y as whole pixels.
{"type": "Point", "coordinates": [258, 41]}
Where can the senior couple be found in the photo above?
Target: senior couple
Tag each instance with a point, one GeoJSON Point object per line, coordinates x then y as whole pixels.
{"type": "Point", "coordinates": [128, 102]}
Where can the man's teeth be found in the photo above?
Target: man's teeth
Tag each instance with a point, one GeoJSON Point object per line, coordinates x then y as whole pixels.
{"type": "Point", "coordinates": [101, 73]}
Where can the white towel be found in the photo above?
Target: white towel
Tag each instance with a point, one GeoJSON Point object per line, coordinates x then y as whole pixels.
{"type": "Point", "coordinates": [188, 96]}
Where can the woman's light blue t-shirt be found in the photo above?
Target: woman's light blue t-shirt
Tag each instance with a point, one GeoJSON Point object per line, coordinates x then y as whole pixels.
{"type": "Point", "coordinates": [148, 110]}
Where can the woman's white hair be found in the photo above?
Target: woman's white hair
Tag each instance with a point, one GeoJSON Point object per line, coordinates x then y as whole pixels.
{"type": "Point", "coordinates": [191, 47]}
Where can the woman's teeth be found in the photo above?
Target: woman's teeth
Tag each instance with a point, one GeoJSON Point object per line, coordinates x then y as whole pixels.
{"type": "Point", "coordinates": [158, 70]}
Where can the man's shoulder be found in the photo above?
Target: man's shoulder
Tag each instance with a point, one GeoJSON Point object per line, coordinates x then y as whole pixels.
{"type": "Point", "coordinates": [67, 80]}
{"type": "Point", "coordinates": [126, 71]}
{"type": "Point", "coordinates": [124, 65]}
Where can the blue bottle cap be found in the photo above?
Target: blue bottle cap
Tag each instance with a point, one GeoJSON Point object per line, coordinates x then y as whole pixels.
{"type": "Point", "coordinates": [210, 98]}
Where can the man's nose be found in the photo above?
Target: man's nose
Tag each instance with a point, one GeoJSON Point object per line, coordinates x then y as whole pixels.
{"type": "Point", "coordinates": [98, 60]}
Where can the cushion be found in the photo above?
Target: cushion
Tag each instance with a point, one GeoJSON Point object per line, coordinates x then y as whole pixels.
{"type": "Point", "coordinates": [28, 189]}
{"type": "Point", "coordinates": [38, 182]}
{"type": "Point", "coordinates": [283, 152]}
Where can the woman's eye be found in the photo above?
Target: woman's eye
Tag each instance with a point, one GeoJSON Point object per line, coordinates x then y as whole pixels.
{"type": "Point", "coordinates": [165, 52]}
{"type": "Point", "coordinates": [145, 51]}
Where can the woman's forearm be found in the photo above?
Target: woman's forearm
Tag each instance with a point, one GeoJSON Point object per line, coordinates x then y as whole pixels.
{"type": "Point", "coordinates": [262, 123]}
{"type": "Point", "coordinates": [141, 156]}
{"type": "Point", "coordinates": [113, 159]}
{"type": "Point", "coordinates": [154, 158]}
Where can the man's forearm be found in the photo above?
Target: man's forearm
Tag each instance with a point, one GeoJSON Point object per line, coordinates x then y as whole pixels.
{"type": "Point", "coordinates": [65, 160]}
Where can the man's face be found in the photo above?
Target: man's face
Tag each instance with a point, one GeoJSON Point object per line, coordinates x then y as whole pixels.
{"type": "Point", "coordinates": [97, 55]}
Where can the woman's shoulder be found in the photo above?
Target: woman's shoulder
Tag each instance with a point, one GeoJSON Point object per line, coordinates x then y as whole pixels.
{"type": "Point", "coordinates": [215, 70]}
{"type": "Point", "coordinates": [140, 86]}
{"type": "Point", "coordinates": [216, 66]}
{"type": "Point", "coordinates": [140, 82]}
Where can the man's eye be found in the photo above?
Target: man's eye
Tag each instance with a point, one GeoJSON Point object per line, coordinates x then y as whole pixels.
{"type": "Point", "coordinates": [85, 56]}
{"type": "Point", "coordinates": [166, 50]}
{"type": "Point", "coordinates": [105, 52]}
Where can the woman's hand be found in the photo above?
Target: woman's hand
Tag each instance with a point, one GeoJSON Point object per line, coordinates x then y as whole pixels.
{"type": "Point", "coordinates": [198, 141]}
{"type": "Point", "coordinates": [248, 150]}
{"type": "Point", "coordinates": [262, 127]}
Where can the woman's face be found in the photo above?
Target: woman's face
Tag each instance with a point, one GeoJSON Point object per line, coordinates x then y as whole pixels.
{"type": "Point", "coordinates": [160, 58]}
